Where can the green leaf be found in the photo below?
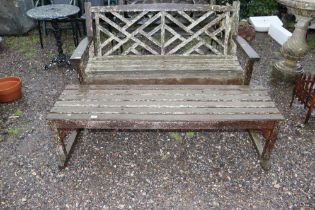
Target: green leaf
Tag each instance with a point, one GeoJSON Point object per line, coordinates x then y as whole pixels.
{"type": "Point", "coordinates": [190, 135]}
{"type": "Point", "coordinates": [13, 131]}
{"type": "Point", "coordinates": [175, 135]}
{"type": "Point", "coordinates": [18, 113]}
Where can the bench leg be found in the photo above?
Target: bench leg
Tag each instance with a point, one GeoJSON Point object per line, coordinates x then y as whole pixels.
{"type": "Point", "coordinates": [309, 112]}
{"type": "Point", "coordinates": [265, 151]}
{"type": "Point", "coordinates": [64, 150]}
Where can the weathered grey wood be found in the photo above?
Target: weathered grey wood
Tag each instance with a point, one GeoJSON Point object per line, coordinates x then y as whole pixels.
{"type": "Point", "coordinates": [59, 144]}
{"type": "Point", "coordinates": [89, 21]}
{"type": "Point", "coordinates": [256, 141]}
{"type": "Point", "coordinates": [71, 140]}
{"type": "Point", "coordinates": [165, 29]}
{"type": "Point", "coordinates": [215, 58]}
{"type": "Point", "coordinates": [162, 33]}
{"type": "Point", "coordinates": [163, 7]}
{"type": "Point", "coordinates": [80, 50]}
{"type": "Point", "coordinates": [80, 57]}
{"type": "Point", "coordinates": [250, 52]}
{"type": "Point", "coordinates": [160, 15]}
{"type": "Point", "coordinates": [268, 147]}
{"type": "Point", "coordinates": [165, 78]}
{"type": "Point", "coordinates": [71, 95]}
{"type": "Point", "coordinates": [164, 104]}
{"type": "Point", "coordinates": [64, 140]}
{"type": "Point", "coordinates": [165, 67]}
{"type": "Point", "coordinates": [97, 46]}
{"type": "Point", "coordinates": [160, 121]}
{"type": "Point", "coordinates": [252, 57]}
{"type": "Point", "coordinates": [235, 18]}
{"type": "Point", "coordinates": [165, 107]}
{"type": "Point", "coordinates": [202, 88]}
{"type": "Point", "coordinates": [138, 105]}
{"type": "Point", "coordinates": [80, 108]}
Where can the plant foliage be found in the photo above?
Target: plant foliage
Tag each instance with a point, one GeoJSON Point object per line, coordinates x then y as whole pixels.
{"type": "Point", "coordinates": [254, 7]}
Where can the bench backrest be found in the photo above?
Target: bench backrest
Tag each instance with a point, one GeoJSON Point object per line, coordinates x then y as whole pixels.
{"type": "Point", "coordinates": [163, 29]}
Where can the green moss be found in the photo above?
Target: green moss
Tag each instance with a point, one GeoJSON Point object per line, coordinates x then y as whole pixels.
{"type": "Point", "coordinates": [190, 135]}
{"type": "Point", "coordinates": [311, 41]}
{"type": "Point", "coordinates": [68, 48]}
{"type": "Point", "coordinates": [18, 113]}
{"type": "Point", "coordinates": [13, 131]}
{"type": "Point", "coordinates": [24, 44]}
{"type": "Point", "coordinates": [175, 135]}
{"type": "Point", "coordinates": [289, 24]}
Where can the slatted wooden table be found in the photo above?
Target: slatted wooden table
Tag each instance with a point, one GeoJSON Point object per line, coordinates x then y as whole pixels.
{"type": "Point", "coordinates": [164, 107]}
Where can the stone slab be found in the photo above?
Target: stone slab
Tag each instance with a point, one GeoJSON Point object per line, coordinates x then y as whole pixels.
{"type": "Point", "coordinates": [262, 23]}
{"type": "Point", "coordinates": [279, 34]}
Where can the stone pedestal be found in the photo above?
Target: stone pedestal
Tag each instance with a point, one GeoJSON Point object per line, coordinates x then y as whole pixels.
{"type": "Point", "coordinates": [295, 48]}
{"type": "Point", "coordinates": [293, 51]}
{"type": "Point", "coordinates": [13, 19]}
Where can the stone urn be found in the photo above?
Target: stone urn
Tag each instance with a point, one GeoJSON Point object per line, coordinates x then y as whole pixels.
{"type": "Point", "coordinates": [296, 47]}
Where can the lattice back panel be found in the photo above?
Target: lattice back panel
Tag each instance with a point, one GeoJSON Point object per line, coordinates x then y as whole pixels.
{"type": "Point", "coordinates": [164, 29]}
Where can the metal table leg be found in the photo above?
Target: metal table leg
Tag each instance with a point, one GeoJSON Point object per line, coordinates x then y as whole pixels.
{"type": "Point", "coordinates": [61, 57]}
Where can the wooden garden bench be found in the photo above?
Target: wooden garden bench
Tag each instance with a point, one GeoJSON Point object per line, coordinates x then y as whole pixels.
{"type": "Point", "coordinates": [162, 44]}
{"type": "Point", "coordinates": [166, 108]}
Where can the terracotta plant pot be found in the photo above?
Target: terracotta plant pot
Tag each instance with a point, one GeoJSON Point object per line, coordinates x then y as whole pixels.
{"type": "Point", "coordinates": [10, 89]}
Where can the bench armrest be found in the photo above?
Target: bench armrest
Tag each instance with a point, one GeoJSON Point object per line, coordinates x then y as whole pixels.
{"type": "Point", "coordinates": [252, 56]}
{"type": "Point", "coordinates": [80, 57]}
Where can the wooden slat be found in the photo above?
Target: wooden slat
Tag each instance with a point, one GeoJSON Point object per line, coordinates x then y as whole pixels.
{"type": "Point", "coordinates": [98, 48]}
{"type": "Point", "coordinates": [187, 61]}
{"type": "Point", "coordinates": [208, 94]}
{"type": "Point", "coordinates": [169, 69]}
{"type": "Point", "coordinates": [165, 125]}
{"type": "Point", "coordinates": [222, 58]}
{"type": "Point", "coordinates": [162, 7]}
{"type": "Point", "coordinates": [71, 140]}
{"type": "Point", "coordinates": [250, 52]}
{"type": "Point", "coordinates": [161, 88]}
{"type": "Point", "coordinates": [172, 119]}
{"type": "Point", "coordinates": [163, 104]}
{"type": "Point", "coordinates": [79, 51]}
{"type": "Point", "coordinates": [157, 97]}
{"type": "Point", "coordinates": [166, 75]}
{"type": "Point", "coordinates": [89, 21]}
{"type": "Point", "coordinates": [161, 111]}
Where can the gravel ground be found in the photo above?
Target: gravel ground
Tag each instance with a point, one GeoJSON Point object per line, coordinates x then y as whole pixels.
{"type": "Point", "coordinates": [147, 170]}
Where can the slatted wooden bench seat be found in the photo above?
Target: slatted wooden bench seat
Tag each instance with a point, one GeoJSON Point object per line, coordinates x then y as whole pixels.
{"type": "Point", "coordinates": [163, 44]}
{"type": "Point", "coordinates": [164, 107]}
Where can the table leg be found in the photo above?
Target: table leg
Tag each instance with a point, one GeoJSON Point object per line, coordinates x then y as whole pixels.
{"type": "Point", "coordinates": [61, 57]}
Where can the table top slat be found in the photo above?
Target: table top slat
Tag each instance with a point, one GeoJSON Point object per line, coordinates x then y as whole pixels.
{"type": "Point", "coordinates": [165, 103]}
